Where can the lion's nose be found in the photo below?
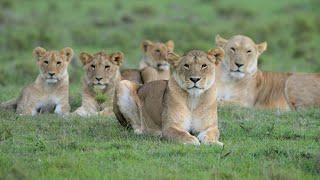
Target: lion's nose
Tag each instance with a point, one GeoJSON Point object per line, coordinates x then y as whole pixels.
{"type": "Point", "coordinates": [238, 65]}
{"type": "Point", "coordinates": [195, 79]}
{"type": "Point", "coordinates": [51, 74]}
{"type": "Point", "coordinates": [98, 78]}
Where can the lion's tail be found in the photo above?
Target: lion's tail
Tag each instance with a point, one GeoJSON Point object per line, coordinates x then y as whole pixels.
{"type": "Point", "coordinates": [9, 105]}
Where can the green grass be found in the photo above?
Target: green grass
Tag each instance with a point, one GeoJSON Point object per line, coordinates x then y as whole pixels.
{"type": "Point", "coordinates": [259, 144]}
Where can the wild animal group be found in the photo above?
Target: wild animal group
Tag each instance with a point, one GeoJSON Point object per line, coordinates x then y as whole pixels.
{"type": "Point", "coordinates": [170, 95]}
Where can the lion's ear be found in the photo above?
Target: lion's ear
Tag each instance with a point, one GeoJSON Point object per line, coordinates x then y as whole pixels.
{"type": "Point", "coordinates": [262, 47]}
{"type": "Point", "coordinates": [145, 44]}
{"type": "Point", "coordinates": [117, 58]}
{"type": "Point", "coordinates": [220, 42]}
{"type": "Point", "coordinates": [173, 59]}
{"type": "Point", "coordinates": [85, 58]}
{"type": "Point", "coordinates": [170, 45]}
{"type": "Point", "coordinates": [38, 52]}
{"type": "Point", "coordinates": [68, 52]}
{"type": "Point", "coordinates": [216, 55]}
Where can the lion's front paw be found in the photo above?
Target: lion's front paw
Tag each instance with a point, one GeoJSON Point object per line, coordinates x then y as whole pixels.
{"type": "Point", "coordinates": [138, 131]}
{"type": "Point", "coordinates": [191, 140]}
{"type": "Point", "coordinates": [205, 139]}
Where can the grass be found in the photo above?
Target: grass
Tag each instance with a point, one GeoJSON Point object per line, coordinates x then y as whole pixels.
{"type": "Point", "coordinates": [259, 144]}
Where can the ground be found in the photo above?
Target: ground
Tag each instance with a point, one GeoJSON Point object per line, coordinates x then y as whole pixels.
{"type": "Point", "coordinates": [258, 143]}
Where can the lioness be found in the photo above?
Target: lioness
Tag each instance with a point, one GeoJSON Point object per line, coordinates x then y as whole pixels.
{"type": "Point", "coordinates": [239, 80]}
{"type": "Point", "coordinates": [153, 65]}
{"type": "Point", "coordinates": [50, 91]}
{"type": "Point", "coordinates": [174, 108]}
{"type": "Point", "coordinates": [102, 75]}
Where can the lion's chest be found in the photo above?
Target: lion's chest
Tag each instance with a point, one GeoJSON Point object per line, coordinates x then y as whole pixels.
{"type": "Point", "coordinates": [193, 120]}
{"type": "Point", "coordinates": [46, 104]}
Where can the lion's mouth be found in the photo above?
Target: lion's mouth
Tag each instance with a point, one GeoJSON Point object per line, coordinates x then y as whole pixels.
{"type": "Point", "coordinates": [51, 80]}
{"type": "Point", "coordinates": [236, 71]}
{"type": "Point", "coordinates": [162, 66]}
{"type": "Point", "coordinates": [100, 85]}
{"type": "Point", "coordinates": [195, 87]}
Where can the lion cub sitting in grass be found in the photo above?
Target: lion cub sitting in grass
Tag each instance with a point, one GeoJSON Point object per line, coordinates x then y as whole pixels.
{"type": "Point", "coordinates": [153, 65]}
{"type": "Point", "coordinates": [175, 108]}
{"type": "Point", "coordinates": [50, 91]}
{"type": "Point", "coordinates": [102, 75]}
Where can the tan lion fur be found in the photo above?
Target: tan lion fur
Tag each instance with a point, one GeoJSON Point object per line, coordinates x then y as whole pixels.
{"type": "Point", "coordinates": [50, 91]}
{"type": "Point", "coordinates": [102, 75]}
{"type": "Point", "coordinates": [247, 85]}
{"type": "Point", "coordinates": [175, 108]}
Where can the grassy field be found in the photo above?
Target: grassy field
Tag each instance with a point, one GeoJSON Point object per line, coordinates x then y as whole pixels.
{"type": "Point", "coordinates": [259, 144]}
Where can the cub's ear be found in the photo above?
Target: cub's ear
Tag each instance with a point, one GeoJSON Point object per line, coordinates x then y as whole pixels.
{"type": "Point", "coordinates": [38, 52]}
{"type": "Point", "coordinates": [117, 58]}
{"type": "Point", "coordinates": [170, 45]}
{"type": "Point", "coordinates": [68, 52]}
{"type": "Point", "coordinates": [220, 42]}
{"type": "Point", "coordinates": [145, 44]}
{"type": "Point", "coordinates": [262, 47]}
{"type": "Point", "coordinates": [85, 58]}
{"type": "Point", "coordinates": [173, 59]}
{"type": "Point", "coordinates": [216, 55]}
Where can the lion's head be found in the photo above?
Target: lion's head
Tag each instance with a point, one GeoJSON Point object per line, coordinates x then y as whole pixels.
{"type": "Point", "coordinates": [53, 65]}
{"type": "Point", "coordinates": [241, 55]}
{"type": "Point", "coordinates": [195, 71]}
{"type": "Point", "coordinates": [157, 52]}
{"type": "Point", "coordinates": [101, 69]}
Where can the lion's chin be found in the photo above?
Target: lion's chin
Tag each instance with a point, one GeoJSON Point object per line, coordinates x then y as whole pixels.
{"type": "Point", "coordinates": [51, 81]}
{"type": "Point", "coordinates": [237, 75]}
{"type": "Point", "coordinates": [99, 86]}
{"type": "Point", "coordinates": [195, 92]}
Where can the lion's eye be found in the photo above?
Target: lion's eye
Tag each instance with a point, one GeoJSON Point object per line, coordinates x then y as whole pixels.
{"type": "Point", "coordinates": [59, 62]}
{"type": "Point", "coordinates": [46, 62]}
{"type": "Point", "coordinates": [249, 51]}
{"type": "Point", "coordinates": [204, 66]}
{"type": "Point", "coordinates": [107, 67]}
{"type": "Point", "coordinates": [93, 66]}
{"type": "Point", "coordinates": [186, 66]}
{"type": "Point", "coordinates": [233, 49]}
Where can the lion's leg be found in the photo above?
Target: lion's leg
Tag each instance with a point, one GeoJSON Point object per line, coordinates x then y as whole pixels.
{"type": "Point", "coordinates": [62, 108]}
{"type": "Point", "coordinates": [107, 111]}
{"type": "Point", "coordinates": [180, 135]}
{"type": "Point", "coordinates": [128, 102]}
{"type": "Point", "coordinates": [210, 136]}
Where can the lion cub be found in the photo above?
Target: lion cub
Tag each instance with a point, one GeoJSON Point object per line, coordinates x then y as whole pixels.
{"type": "Point", "coordinates": [50, 91]}
{"type": "Point", "coordinates": [153, 65]}
{"type": "Point", "coordinates": [102, 75]}
{"type": "Point", "coordinates": [175, 108]}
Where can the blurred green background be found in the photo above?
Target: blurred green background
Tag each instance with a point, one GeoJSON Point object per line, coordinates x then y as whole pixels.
{"type": "Point", "coordinates": [291, 28]}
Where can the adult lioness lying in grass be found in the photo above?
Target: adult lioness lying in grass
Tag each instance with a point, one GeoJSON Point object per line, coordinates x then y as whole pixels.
{"type": "Point", "coordinates": [240, 81]}
{"type": "Point", "coordinates": [185, 104]}
{"type": "Point", "coordinates": [50, 91]}
{"type": "Point", "coordinates": [153, 65]}
{"type": "Point", "coordinates": [99, 82]}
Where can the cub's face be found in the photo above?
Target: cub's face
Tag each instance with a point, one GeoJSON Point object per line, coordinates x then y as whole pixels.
{"type": "Point", "coordinates": [157, 53]}
{"type": "Point", "coordinates": [101, 69]}
{"type": "Point", "coordinates": [53, 65]}
{"type": "Point", "coordinates": [241, 55]}
{"type": "Point", "coordinates": [195, 71]}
